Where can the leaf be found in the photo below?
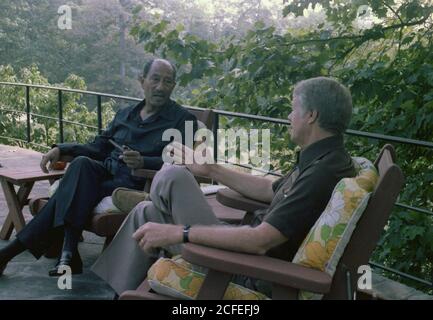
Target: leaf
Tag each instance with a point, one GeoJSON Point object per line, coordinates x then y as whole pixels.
{"type": "Point", "coordinates": [338, 230]}
{"type": "Point", "coordinates": [185, 282]}
{"type": "Point", "coordinates": [414, 231]}
{"type": "Point", "coordinates": [259, 25]}
{"type": "Point", "coordinates": [137, 9]}
{"type": "Point", "coordinates": [325, 232]}
{"type": "Point", "coordinates": [161, 26]}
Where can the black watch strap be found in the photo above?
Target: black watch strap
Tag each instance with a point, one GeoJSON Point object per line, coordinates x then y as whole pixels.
{"type": "Point", "coordinates": [186, 233]}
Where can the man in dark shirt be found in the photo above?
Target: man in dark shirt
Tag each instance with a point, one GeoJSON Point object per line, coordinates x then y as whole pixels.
{"type": "Point", "coordinates": [321, 112]}
{"type": "Point", "coordinates": [99, 167]}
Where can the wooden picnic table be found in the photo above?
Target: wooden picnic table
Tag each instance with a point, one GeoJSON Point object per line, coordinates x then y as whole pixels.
{"type": "Point", "coordinates": [24, 177]}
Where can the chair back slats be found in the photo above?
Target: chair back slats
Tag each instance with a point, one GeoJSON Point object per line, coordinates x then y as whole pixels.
{"type": "Point", "coordinates": [385, 162]}
{"type": "Point", "coordinates": [371, 224]}
{"type": "Point", "coordinates": [205, 116]}
{"type": "Point", "coordinates": [388, 148]}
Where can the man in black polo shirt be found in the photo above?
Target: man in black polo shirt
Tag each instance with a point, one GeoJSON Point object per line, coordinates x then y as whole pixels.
{"type": "Point", "coordinates": [321, 111]}
{"type": "Point", "coordinates": [99, 167]}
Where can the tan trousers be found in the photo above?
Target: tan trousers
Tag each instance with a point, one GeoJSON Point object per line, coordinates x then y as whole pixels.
{"type": "Point", "coordinates": [176, 198]}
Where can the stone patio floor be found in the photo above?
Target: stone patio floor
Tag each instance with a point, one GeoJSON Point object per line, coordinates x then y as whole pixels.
{"type": "Point", "coordinates": [27, 278]}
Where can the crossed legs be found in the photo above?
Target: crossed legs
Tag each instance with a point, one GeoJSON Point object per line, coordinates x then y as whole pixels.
{"type": "Point", "coordinates": [176, 198]}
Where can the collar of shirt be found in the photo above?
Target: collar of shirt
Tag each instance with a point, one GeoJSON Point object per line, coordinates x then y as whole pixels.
{"type": "Point", "coordinates": [165, 112]}
{"type": "Point", "coordinates": [318, 149]}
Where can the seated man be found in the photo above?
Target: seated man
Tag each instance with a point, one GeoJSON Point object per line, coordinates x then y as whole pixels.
{"type": "Point", "coordinates": [321, 111]}
{"type": "Point", "coordinates": [100, 167]}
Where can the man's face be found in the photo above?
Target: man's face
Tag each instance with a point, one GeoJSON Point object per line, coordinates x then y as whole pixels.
{"type": "Point", "coordinates": [158, 84]}
{"type": "Point", "coordinates": [299, 122]}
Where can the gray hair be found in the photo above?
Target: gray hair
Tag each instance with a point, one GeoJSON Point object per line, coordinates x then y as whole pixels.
{"type": "Point", "coordinates": [149, 64]}
{"type": "Point", "coordinates": [330, 99]}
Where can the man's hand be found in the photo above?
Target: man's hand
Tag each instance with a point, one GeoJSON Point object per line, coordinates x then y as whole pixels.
{"type": "Point", "coordinates": [52, 156]}
{"type": "Point", "coordinates": [155, 235]}
{"type": "Point", "coordinates": [133, 159]}
{"type": "Point", "coordinates": [183, 155]}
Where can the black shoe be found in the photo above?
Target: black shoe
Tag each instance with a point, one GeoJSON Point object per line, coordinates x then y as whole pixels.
{"type": "Point", "coordinates": [2, 268]}
{"type": "Point", "coordinates": [67, 259]}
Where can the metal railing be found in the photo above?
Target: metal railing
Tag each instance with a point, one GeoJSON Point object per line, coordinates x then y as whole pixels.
{"type": "Point", "coordinates": [216, 123]}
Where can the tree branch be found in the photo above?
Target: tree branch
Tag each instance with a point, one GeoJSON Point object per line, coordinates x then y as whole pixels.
{"type": "Point", "coordinates": [364, 37]}
{"type": "Point", "coordinates": [342, 57]}
{"type": "Point", "coordinates": [393, 11]}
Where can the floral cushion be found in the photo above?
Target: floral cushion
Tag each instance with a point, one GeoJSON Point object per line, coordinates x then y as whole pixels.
{"type": "Point", "coordinates": [327, 239]}
{"type": "Point", "coordinates": [178, 278]}
{"type": "Point", "coordinates": [53, 188]}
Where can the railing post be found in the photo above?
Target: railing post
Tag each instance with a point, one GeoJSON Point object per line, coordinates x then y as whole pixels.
{"type": "Point", "coordinates": [216, 124]}
{"type": "Point", "coordinates": [60, 107]}
{"type": "Point", "coordinates": [431, 281]}
{"type": "Point", "coordinates": [99, 111]}
{"type": "Point", "coordinates": [29, 138]}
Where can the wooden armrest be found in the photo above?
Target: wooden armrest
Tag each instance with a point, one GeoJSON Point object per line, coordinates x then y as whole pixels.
{"type": "Point", "coordinates": [144, 173]}
{"type": "Point", "coordinates": [259, 267]}
{"type": "Point", "coordinates": [233, 199]}
{"type": "Point", "coordinates": [106, 224]}
{"type": "Point", "coordinates": [203, 179]}
{"type": "Point", "coordinates": [150, 174]}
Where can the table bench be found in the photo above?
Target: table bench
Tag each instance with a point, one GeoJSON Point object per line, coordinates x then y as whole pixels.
{"type": "Point", "coordinates": [25, 178]}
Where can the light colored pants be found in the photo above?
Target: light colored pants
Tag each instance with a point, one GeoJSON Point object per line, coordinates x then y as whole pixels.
{"type": "Point", "coordinates": [177, 199]}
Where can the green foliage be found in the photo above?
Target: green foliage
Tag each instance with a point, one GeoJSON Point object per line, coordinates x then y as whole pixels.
{"type": "Point", "coordinates": [44, 104]}
{"type": "Point", "coordinates": [97, 47]}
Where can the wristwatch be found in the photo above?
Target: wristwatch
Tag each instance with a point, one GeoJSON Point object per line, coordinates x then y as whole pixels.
{"type": "Point", "coordinates": [186, 233]}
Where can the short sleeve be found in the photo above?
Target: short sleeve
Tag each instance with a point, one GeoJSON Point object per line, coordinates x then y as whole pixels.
{"type": "Point", "coordinates": [302, 204]}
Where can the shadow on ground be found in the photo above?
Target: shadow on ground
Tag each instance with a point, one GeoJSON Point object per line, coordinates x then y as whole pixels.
{"type": "Point", "coordinates": [27, 278]}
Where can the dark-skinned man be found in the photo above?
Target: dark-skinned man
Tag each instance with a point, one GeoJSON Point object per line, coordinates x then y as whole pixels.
{"type": "Point", "coordinates": [99, 168]}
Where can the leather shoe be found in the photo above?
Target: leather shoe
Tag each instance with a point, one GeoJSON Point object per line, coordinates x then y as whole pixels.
{"type": "Point", "coordinates": [2, 268]}
{"type": "Point", "coordinates": [67, 259]}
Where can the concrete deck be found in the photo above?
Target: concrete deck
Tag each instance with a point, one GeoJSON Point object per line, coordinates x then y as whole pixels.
{"type": "Point", "coordinates": [27, 278]}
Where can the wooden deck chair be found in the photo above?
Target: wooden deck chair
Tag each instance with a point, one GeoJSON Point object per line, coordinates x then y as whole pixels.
{"type": "Point", "coordinates": [288, 278]}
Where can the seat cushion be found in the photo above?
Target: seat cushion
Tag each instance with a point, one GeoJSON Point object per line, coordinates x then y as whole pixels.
{"type": "Point", "coordinates": [325, 243]}
{"type": "Point", "coordinates": [106, 205]}
{"type": "Point", "coordinates": [106, 219]}
{"type": "Point", "coordinates": [180, 279]}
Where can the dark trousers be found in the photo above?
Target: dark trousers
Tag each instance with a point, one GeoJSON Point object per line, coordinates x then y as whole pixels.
{"type": "Point", "coordinates": [82, 187]}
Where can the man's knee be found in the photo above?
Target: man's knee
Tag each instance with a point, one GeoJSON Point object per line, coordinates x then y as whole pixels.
{"type": "Point", "coordinates": [173, 173]}
{"type": "Point", "coordinates": [168, 177]}
{"type": "Point", "coordinates": [141, 214]}
{"type": "Point", "coordinates": [81, 161]}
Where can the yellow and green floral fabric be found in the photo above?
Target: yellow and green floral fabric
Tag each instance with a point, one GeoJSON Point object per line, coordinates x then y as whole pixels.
{"type": "Point", "coordinates": [327, 239]}
{"type": "Point", "coordinates": [177, 278]}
